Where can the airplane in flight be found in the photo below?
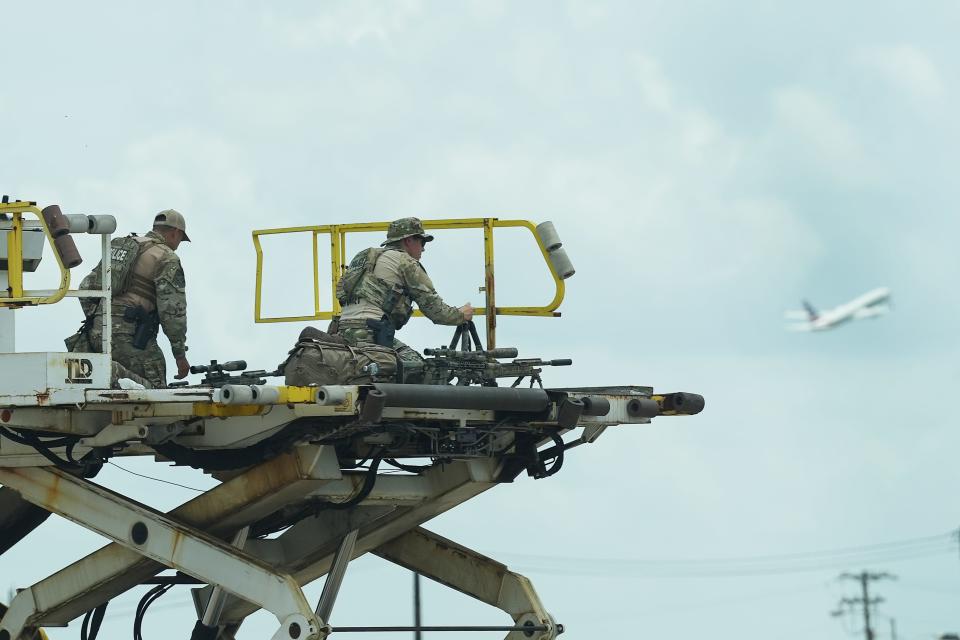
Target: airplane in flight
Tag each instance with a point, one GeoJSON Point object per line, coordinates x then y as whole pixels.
{"type": "Point", "coordinates": [872, 304]}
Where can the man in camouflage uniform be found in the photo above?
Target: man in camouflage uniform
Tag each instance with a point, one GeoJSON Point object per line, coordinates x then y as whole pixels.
{"type": "Point", "coordinates": [156, 286]}
{"type": "Point", "coordinates": [386, 293]}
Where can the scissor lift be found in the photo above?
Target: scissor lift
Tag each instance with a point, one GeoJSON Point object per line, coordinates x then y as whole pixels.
{"type": "Point", "coordinates": [287, 460]}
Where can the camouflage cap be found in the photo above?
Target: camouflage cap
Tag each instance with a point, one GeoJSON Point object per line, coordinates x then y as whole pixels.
{"type": "Point", "coordinates": [405, 228]}
{"type": "Point", "coordinates": [172, 218]}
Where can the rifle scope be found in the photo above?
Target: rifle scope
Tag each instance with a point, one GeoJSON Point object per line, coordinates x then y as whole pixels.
{"type": "Point", "coordinates": [503, 352]}
{"type": "Point", "coordinates": [232, 365]}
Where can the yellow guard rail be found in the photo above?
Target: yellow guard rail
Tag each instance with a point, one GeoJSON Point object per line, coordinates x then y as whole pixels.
{"type": "Point", "coordinates": [337, 235]}
{"type": "Point", "coordinates": [16, 295]}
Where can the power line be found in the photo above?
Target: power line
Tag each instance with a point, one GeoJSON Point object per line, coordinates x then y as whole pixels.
{"type": "Point", "coordinates": [859, 549]}
{"type": "Point", "coordinates": [763, 565]}
{"type": "Point", "coordinates": [140, 475]}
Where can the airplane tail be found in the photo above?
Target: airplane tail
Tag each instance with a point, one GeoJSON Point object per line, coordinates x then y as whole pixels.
{"type": "Point", "coordinates": [812, 313]}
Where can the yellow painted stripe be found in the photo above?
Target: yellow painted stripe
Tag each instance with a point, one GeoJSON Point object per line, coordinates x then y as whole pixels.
{"type": "Point", "coordinates": [297, 395]}
{"type": "Point", "coordinates": [203, 410]}
{"type": "Point", "coordinates": [288, 395]}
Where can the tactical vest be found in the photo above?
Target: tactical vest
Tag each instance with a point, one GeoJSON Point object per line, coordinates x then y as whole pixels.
{"type": "Point", "coordinates": [359, 282]}
{"type": "Point", "coordinates": [124, 253]}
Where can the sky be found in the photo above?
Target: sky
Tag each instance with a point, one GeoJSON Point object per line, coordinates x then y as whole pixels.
{"type": "Point", "coordinates": [707, 166]}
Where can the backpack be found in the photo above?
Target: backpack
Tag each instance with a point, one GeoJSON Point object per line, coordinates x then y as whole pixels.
{"type": "Point", "coordinates": [322, 362]}
{"type": "Point", "coordinates": [361, 266]}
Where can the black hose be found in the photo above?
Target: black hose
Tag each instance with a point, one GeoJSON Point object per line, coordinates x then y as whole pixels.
{"type": "Point", "coordinates": [151, 596]}
{"type": "Point", "coordinates": [406, 467]}
{"type": "Point", "coordinates": [12, 435]}
{"type": "Point", "coordinates": [30, 440]}
{"type": "Point", "coordinates": [92, 621]}
{"type": "Point", "coordinates": [356, 465]}
{"type": "Point", "coordinates": [288, 516]}
{"type": "Point", "coordinates": [555, 452]}
{"type": "Point", "coordinates": [229, 459]}
{"type": "Point", "coordinates": [368, 482]}
{"type": "Point", "coordinates": [20, 437]}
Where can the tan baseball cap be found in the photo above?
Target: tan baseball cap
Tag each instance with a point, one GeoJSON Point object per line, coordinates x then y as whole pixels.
{"type": "Point", "coordinates": [172, 218]}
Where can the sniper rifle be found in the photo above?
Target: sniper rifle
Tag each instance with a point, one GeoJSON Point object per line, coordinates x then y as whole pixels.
{"type": "Point", "coordinates": [218, 374]}
{"type": "Point", "coordinates": [480, 367]}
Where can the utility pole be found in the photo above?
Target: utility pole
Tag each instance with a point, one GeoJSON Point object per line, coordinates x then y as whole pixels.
{"type": "Point", "coordinates": [416, 606]}
{"type": "Point", "coordinates": [865, 601]}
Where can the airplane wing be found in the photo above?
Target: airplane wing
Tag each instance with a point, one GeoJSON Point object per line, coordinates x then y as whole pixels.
{"type": "Point", "coordinates": [871, 312]}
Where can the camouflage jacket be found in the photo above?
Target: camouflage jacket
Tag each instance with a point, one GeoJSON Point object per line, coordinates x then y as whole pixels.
{"type": "Point", "coordinates": [171, 299]}
{"type": "Point", "coordinates": [398, 280]}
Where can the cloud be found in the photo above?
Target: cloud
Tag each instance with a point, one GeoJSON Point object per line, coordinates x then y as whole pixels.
{"type": "Point", "coordinates": [584, 13]}
{"type": "Point", "coordinates": [188, 169]}
{"type": "Point", "coordinates": [656, 90]}
{"type": "Point", "coordinates": [488, 9]}
{"type": "Point", "coordinates": [906, 67]}
{"type": "Point", "coordinates": [350, 24]}
{"type": "Point", "coordinates": [210, 180]}
{"type": "Point", "coordinates": [670, 201]}
{"type": "Point", "coordinates": [812, 128]}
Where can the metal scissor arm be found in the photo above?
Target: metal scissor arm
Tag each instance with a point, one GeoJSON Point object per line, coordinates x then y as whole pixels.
{"type": "Point", "coordinates": [162, 540]}
{"type": "Point", "coordinates": [115, 568]}
{"type": "Point", "coordinates": [476, 575]}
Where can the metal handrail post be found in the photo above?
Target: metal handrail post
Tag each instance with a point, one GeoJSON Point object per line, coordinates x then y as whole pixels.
{"type": "Point", "coordinates": [106, 288]}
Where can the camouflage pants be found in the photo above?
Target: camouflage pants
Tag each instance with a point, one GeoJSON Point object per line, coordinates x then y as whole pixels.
{"type": "Point", "coordinates": [147, 365]}
{"type": "Point", "coordinates": [356, 333]}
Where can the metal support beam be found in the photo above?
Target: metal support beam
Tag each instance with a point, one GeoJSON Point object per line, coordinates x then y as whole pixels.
{"type": "Point", "coordinates": [527, 630]}
{"type": "Point", "coordinates": [417, 608]}
{"type": "Point", "coordinates": [211, 613]}
{"type": "Point", "coordinates": [163, 540]}
{"type": "Point", "coordinates": [335, 578]}
{"type": "Point", "coordinates": [310, 545]}
{"type": "Point", "coordinates": [315, 537]}
{"type": "Point", "coordinates": [476, 575]}
{"type": "Point", "coordinates": [113, 569]}
{"type": "Point", "coordinates": [106, 306]}
{"type": "Point", "coordinates": [18, 518]}
{"type": "Point", "coordinates": [8, 321]}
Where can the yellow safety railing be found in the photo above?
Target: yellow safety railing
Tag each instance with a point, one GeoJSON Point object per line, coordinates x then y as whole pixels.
{"type": "Point", "coordinates": [16, 295]}
{"type": "Point", "coordinates": [337, 237]}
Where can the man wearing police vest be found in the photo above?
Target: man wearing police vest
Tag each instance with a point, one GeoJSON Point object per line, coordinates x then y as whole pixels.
{"type": "Point", "coordinates": [149, 293]}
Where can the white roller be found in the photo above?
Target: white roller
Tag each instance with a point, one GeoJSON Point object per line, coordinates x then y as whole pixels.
{"type": "Point", "coordinates": [561, 263]}
{"type": "Point", "coordinates": [236, 394]}
{"type": "Point", "coordinates": [102, 225]}
{"type": "Point", "coordinates": [331, 395]}
{"type": "Point", "coordinates": [548, 236]}
{"type": "Point", "coordinates": [265, 394]}
{"type": "Point", "coordinates": [78, 223]}
{"type": "Point", "coordinates": [249, 394]}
